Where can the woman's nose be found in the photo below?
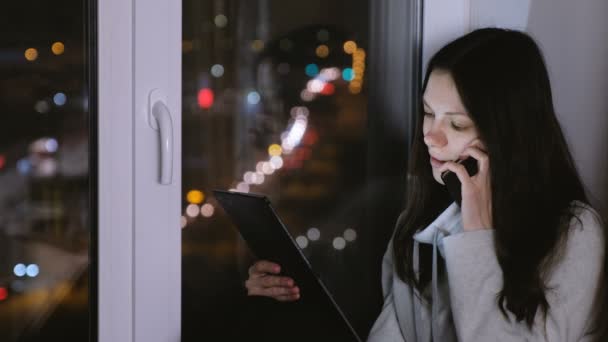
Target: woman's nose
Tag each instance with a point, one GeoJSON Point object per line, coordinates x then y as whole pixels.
{"type": "Point", "coordinates": [435, 138]}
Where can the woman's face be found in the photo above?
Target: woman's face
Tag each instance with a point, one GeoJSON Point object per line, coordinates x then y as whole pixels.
{"type": "Point", "coordinates": [447, 128]}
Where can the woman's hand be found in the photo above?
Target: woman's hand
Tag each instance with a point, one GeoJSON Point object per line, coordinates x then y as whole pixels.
{"type": "Point", "coordinates": [476, 205]}
{"type": "Point", "coordinates": [262, 282]}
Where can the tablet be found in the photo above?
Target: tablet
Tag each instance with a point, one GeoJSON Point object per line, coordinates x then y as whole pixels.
{"type": "Point", "coordinates": [268, 239]}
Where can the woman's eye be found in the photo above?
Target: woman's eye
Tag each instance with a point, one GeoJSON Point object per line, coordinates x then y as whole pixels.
{"type": "Point", "coordinates": [456, 127]}
{"type": "Point", "coordinates": [428, 114]}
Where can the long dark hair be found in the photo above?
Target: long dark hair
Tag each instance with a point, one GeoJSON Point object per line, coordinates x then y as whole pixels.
{"type": "Point", "coordinates": [503, 83]}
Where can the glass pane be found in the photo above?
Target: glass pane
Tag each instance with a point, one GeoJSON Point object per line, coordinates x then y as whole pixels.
{"type": "Point", "coordinates": [45, 224]}
{"type": "Point", "coordinates": [275, 101]}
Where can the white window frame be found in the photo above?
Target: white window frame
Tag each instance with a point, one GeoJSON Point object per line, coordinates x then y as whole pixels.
{"type": "Point", "coordinates": [139, 238]}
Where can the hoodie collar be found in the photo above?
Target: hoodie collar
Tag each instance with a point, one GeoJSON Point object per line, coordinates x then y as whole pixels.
{"type": "Point", "coordinates": [449, 222]}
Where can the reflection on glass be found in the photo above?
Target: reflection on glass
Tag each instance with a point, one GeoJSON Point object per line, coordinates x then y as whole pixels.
{"type": "Point", "coordinates": [44, 175]}
{"type": "Point", "coordinates": [274, 102]}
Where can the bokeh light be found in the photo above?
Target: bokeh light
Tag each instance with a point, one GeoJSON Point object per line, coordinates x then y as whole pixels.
{"type": "Point", "coordinates": [205, 98]}
{"type": "Point", "coordinates": [350, 47]}
{"type": "Point", "coordinates": [31, 54]}
{"type": "Point", "coordinates": [253, 97]}
{"type": "Point", "coordinates": [217, 70]}
{"type": "Point", "coordinates": [348, 74]}
{"type": "Point", "coordinates": [350, 235]}
{"type": "Point", "coordinates": [195, 197]}
{"type": "Point", "coordinates": [275, 150]}
{"type": "Point", "coordinates": [257, 45]}
{"type": "Point", "coordinates": [192, 210]}
{"type": "Point", "coordinates": [183, 221]}
{"type": "Point", "coordinates": [313, 234]}
{"type": "Point", "coordinates": [207, 210]}
{"type": "Point", "coordinates": [58, 48]}
{"type": "Point", "coordinates": [60, 99]}
{"type": "Point", "coordinates": [312, 70]}
{"type": "Point", "coordinates": [3, 293]}
{"type": "Point", "coordinates": [19, 270]}
{"type": "Point", "coordinates": [220, 21]}
{"type": "Point", "coordinates": [32, 270]}
{"type": "Point", "coordinates": [339, 243]}
{"type": "Point", "coordinates": [302, 241]}
{"type": "Point", "coordinates": [322, 51]}
{"type": "Point", "coordinates": [42, 107]}
{"type": "Point", "coordinates": [2, 161]}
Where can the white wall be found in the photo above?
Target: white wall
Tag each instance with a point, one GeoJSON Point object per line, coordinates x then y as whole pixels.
{"type": "Point", "coordinates": [573, 36]}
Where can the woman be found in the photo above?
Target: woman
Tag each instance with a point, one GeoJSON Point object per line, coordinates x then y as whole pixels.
{"type": "Point", "coordinates": [523, 257]}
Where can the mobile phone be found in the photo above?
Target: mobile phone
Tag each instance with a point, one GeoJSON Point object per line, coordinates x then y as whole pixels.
{"type": "Point", "coordinates": [453, 183]}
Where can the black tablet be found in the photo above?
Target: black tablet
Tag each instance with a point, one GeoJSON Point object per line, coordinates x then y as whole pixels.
{"type": "Point", "coordinates": [269, 239]}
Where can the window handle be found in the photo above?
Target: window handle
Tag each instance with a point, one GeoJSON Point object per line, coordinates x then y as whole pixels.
{"type": "Point", "coordinates": [160, 120]}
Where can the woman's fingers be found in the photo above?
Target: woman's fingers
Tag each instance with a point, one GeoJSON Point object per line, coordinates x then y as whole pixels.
{"type": "Point", "coordinates": [479, 155]}
{"type": "Point", "coordinates": [263, 266]}
{"type": "Point", "coordinates": [277, 292]}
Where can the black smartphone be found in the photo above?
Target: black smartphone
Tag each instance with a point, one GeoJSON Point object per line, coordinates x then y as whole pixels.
{"type": "Point", "coordinates": [453, 183]}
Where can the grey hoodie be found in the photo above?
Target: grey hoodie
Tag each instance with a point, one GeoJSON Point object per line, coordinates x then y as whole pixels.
{"type": "Point", "coordinates": [464, 305]}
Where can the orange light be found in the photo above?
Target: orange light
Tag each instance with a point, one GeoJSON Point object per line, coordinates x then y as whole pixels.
{"type": "Point", "coordinates": [58, 48]}
{"type": "Point", "coordinates": [205, 98]}
{"type": "Point", "coordinates": [195, 196]}
{"type": "Point", "coordinates": [350, 47]}
{"type": "Point", "coordinates": [31, 54]}
{"type": "Point", "coordinates": [322, 51]}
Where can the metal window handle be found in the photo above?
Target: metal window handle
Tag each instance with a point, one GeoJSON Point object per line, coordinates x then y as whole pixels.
{"type": "Point", "coordinates": [160, 119]}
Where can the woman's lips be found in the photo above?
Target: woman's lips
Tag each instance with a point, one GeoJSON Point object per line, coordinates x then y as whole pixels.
{"type": "Point", "coordinates": [436, 162]}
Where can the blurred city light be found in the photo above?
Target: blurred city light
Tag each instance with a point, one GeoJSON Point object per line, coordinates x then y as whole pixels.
{"type": "Point", "coordinates": [311, 70]}
{"type": "Point", "coordinates": [330, 74]}
{"type": "Point", "coordinates": [348, 74]}
{"type": "Point", "coordinates": [58, 48]}
{"type": "Point", "coordinates": [220, 20]}
{"type": "Point", "coordinates": [42, 107]}
{"type": "Point", "coordinates": [2, 161]}
{"type": "Point", "coordinates": [51, 145]}
{"type": "Point", "coordinates": [205, 98]}
{"type": "Point", "coordinates": [60, 99]}
{"type": "Point", "coordinates": [275, 150]}
{"type": "Point", "coordinates": [322, 51]}
{"type": "Point", "coordinates": [242, 187]}
{"type": "Point", "coordinates": [192, 210]}
{"type": "Point", "coordinates": [276, 162]}
{"type": "Point", "coordinates": [32, 270]}
{"type": "Point", "coordinates": [350, 235]}
{"type": "Point", "coordinates": [24, 166]}
{"type": "Point", "coordinates": [313, 234]}
{"type": "Point", "coordinates": [350, 47]}
{"type": "Point", "coordinates": [248, 177]}
{"type": "Point", "coordinates": [302, 241]}
{"type": "Point", "coordinates": [183, 221]}
{"type": "Point", "coordinates": [217, 70]}
{"type": "Point", "coordinates": [31, 54]}
{"type": "Point", "coordinates": [19, 270]}
{"type": "Point", "coordinates": [299, 111]}
{"type": "Point", "coordinates": [3, 293]}
{"type": "Point", "coordinates": [328, 89]}
{"type": "Point", "coordinates": [257, 45]}
{"type": "Point", "coordinates": [253, 97]}
{"type": "Point", "coordinates": [267, 168]}
{"type": "Point", "coordinates": [339, 243]}
{"type": "Point", "coordinates": [315, 85]}
{"type": "Point", "coordinates": [195, 197]}
{"type": "Point", "coordinates": [207, 210]}
{"type": "Point", "coordinates": [306, 95]}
